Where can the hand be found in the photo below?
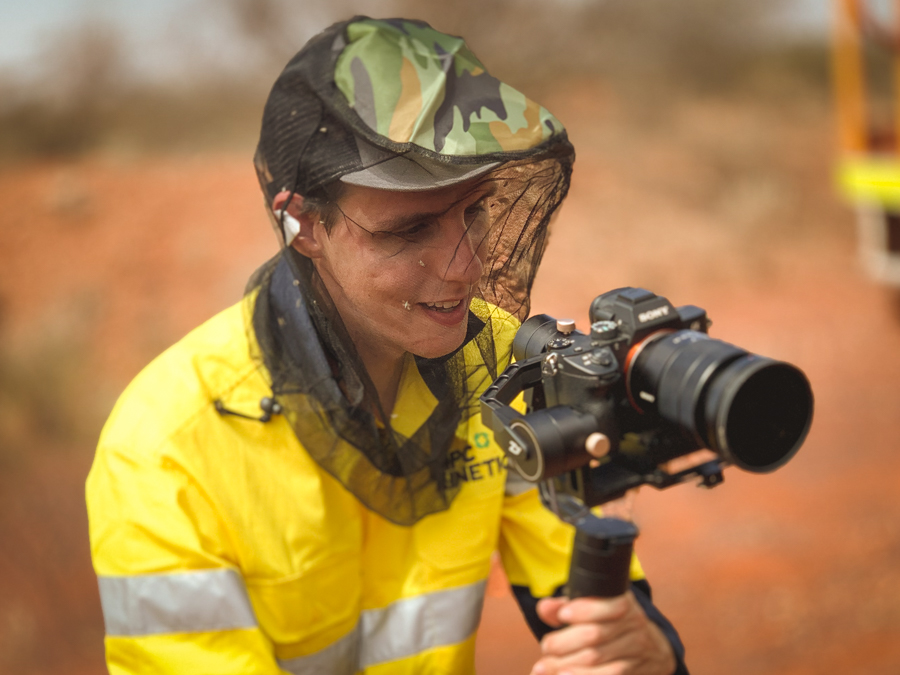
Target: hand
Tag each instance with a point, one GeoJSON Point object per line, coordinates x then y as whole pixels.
{"type": "Point", "coordinates": [605, 636]}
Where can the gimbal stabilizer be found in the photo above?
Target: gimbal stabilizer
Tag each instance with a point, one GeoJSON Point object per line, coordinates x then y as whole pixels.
{"type": "Point", "coordinates": [652, 384]}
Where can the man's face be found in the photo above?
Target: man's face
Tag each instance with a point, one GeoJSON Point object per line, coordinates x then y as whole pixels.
{"type": "Point", "coordinates": [402, 267]}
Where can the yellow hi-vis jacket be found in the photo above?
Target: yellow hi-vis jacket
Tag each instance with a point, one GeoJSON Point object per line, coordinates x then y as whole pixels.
{"type": "Point", "coordinates": [221, 547]}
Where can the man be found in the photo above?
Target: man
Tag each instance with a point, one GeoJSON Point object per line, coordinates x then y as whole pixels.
{"type": "Point", "coordinates": [303, 483]}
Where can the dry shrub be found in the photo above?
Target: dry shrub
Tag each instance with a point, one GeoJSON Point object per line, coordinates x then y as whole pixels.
{"type": "Point", "coordinates": [45, 397]}
{"type": "Point", "coordinates": [706, 44]}
{"type": "Point", "coordinates": [90, 98]}
{"type": "Point", "coordinates": [68, 107]}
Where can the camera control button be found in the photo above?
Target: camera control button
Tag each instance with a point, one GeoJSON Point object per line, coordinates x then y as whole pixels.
{"type": "Point", "coordinates": [597, 445]}
{"type": "Point", "coordinates": [604, 330]}
{"type": "Point", "coordinates": [602, 357]}
{"type": "Point", "coordinates": [559, 343]}
{"type": "Point", "coordinates": [565, 326]}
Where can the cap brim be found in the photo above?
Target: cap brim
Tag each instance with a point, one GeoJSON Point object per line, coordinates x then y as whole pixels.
{"type": "Point", "coordinates": [409, 172]}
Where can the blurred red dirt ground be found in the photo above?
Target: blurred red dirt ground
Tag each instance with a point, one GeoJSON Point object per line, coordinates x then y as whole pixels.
{"type": "Point", "coordinates": [723, 204]}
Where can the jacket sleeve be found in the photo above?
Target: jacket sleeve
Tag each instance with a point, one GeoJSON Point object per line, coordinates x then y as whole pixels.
{"type": "Point", "coordinates": [173, 597]}
{"type": "Point", "coordinates": [535, 548]}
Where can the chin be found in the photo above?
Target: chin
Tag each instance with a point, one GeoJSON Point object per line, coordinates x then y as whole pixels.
{"type": "Point", "coordinates": [438, 347]}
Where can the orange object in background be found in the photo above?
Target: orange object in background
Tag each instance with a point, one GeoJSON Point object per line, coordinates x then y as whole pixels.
{"type": "Point", "coordinates": [866, 68]}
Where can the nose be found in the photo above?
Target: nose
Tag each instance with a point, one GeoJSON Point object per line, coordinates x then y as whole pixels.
{"type": "Point", "coordinates": [461, 263]}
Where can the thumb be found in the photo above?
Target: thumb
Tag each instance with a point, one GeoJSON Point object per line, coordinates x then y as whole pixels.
{"type": "Point", "coordinates": [548, 610]}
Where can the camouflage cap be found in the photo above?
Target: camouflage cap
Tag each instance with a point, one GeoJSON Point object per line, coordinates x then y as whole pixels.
{"type": "Point", "coordinates": [395, 104]}
{"type": "Point", "coordinates": [412, 84]}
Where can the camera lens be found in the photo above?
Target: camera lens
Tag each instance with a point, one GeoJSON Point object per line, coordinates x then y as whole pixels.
{"type": "Point", "coordinates": [753, 411]}
{"type": "Point", "coordinates": [758, 411]}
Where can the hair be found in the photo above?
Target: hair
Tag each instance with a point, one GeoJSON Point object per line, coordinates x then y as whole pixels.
{"type": "Point", "coordinates": [323, 201]}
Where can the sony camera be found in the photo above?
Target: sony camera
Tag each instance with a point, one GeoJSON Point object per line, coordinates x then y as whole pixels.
{"type": "Point", "coordinates": [655, 385]}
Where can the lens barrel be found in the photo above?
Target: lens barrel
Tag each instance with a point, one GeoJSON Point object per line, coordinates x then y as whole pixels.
{"type": "Point", "coordinates": [754, 411]}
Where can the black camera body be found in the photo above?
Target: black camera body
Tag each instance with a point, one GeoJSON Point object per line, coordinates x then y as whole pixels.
{"type": "Point", "coordinates": [649, 379]}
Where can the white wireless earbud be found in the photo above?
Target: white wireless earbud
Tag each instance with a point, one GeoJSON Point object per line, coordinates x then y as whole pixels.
{"type": "Point", "coordinates": [289, 224]}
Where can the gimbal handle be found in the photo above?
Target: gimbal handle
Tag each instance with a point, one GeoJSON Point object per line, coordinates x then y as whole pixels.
{"type": "Point", "coordinates": [601, 557]}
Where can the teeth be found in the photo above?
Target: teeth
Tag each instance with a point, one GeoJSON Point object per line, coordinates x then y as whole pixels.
{"type": "Point", "coordinates": [448, 304]}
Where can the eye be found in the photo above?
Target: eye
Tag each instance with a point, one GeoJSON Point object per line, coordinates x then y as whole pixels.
{"type": "Point", "coordinates": [475, 211]}
{"type": "Point", "coordinates": [414, 231]}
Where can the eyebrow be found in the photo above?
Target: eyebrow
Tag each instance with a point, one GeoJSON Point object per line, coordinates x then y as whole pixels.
{"type": "Point", "coordinates": [402, 222]}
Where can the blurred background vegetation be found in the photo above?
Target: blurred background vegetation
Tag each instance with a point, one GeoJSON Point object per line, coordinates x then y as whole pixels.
{"type": "Point", "coordinates": [85, 93]}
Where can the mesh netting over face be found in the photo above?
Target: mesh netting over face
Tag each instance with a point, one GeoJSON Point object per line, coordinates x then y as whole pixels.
{"type": "Point", "coordinates": [313, 319]}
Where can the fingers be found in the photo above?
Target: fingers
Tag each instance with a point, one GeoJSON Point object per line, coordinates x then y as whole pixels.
{"type": "Point", "coordinates": [619, 656]}
{"type": "Point", "coordinates": [548, 610]}
{"type": "Point", "coordinates": [617, 668]}
{"type": "Point", "coordinates": [574, 638]}
{"type": "Point", "coordinates": [557, 612]}
{"type": "Point", "coordinates": [593, 661]}
{"type": "Point", "coordinates": [604, 637]}
{"type": "Point", "coordinates": [582, 610]}
{"type": "Point", "coordinates": [634, 653]}
{"type": "Point", "coordinates": [593, 622]}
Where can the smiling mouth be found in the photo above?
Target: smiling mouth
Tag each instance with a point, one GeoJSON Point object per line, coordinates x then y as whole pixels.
{"type": "Point", "coordinates": [444, 306]}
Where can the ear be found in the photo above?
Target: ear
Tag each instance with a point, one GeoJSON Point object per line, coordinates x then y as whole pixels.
{"type": "Point", "coordinates": [310, 231]}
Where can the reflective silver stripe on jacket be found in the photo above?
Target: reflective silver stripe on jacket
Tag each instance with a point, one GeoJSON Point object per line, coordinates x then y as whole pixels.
{"type": "Point", "coordinates": [412, 625]}
{"type": "Point", "coordinates": [403, 628]}
{"type": "Point", "coordinates": [338, 658]}
{"type": "Point", "coordinates": [183, 602]}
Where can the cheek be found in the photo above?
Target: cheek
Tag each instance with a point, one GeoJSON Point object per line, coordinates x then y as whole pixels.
{"type": "Point", "coordinates": [383, 281]}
